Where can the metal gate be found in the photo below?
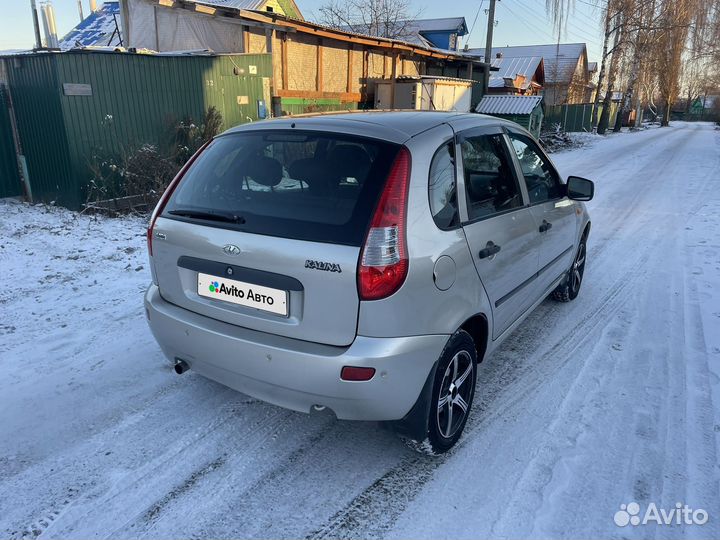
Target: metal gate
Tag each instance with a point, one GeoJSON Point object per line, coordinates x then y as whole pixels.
{"type": "Point", "coordinates": [9, 176]}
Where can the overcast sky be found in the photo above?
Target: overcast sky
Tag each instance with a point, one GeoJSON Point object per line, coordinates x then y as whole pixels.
{"type": "Point", "coordinates": [519, 22]}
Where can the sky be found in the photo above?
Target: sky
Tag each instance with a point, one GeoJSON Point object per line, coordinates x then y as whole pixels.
{"type": "Point", "coordinates": [519, 22]}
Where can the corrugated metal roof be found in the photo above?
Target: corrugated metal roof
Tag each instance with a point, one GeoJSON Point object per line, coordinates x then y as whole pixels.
{"type": "Point", "coordinates": [508, 104]}
{"type": "Point", "coordinates": [432, 78]}
{"type": "Point", "coordinates": [234, 4]}
{"type": "Point", "coordinates": [98, 29]}
{"type": "Point", "coordinates": [512, 67]}
{"type": "Point", "coordinates": [446, 23]}
{"type": "Point", "coordinates": [560, 60]}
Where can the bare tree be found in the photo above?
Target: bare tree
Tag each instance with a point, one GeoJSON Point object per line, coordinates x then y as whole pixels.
{"type": "Point", "coordinates": [610, 14]}
{"type": "Point", "coordinates": [655, 48]}
{"type": "Point", "coordinates": [381, 18]}
{"type": "Point", "coordinates": [676, 16]}
{"type": "Point", "coordinates": [613, 68]}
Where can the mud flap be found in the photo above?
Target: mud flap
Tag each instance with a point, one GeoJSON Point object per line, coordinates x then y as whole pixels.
{"type": "Point", "coordinates": [414, 425]}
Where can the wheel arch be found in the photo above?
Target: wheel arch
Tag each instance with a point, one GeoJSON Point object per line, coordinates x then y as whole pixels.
{"type": "Point", "coordinates": [586, 230]}
{"type": "Point", "coordinates": [479, 329]}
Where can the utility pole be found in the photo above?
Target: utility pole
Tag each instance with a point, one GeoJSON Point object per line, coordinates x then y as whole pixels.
{"type": "Point", "coordinates": [36, 25]}
{"type": "Point", "coordinates": [80, 10]}
{"type": "Point", "coordinates": [490, 27]}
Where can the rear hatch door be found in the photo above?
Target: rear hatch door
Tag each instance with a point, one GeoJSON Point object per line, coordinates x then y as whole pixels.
{"type": "Point", "coordinates": [265, 228]}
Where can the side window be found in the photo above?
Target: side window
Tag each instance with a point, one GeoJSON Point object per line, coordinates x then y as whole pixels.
{"type": "Point", "coordinates": [442, 187]}
{"type": "Point", "coordinates": [490, 184]}
{"type": "Point", "coordinates": [542, 182]}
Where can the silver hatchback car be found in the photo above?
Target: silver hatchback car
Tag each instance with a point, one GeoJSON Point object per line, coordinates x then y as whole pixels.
{"type": "Point", "coordinates": [362, 262]}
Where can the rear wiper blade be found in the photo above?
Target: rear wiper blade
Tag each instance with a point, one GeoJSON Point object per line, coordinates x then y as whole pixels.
{"type": "Point", "coordinates": [210, 216]}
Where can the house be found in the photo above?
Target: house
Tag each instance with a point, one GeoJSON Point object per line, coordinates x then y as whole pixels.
{"type": "Point", "coordinates": [566, 71]}
{"type": "Point", "coordinates": [443, 33]}
{"type": "Point", "coordinates": [314, 67]}
{"type": "Point", "coordinates": [524, 110]}
{"type": "Point", "coordinates": [592, 82]}
{"type": "Point", "coordinates": [517, 76]}
{"type": "Point", "coordinates": [704, 107]}
{"type": "Point", "coordinates": [104, 26]}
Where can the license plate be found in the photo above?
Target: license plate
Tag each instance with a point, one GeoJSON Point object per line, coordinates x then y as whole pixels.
{"type": "Point", "coordinates": [244, 294]}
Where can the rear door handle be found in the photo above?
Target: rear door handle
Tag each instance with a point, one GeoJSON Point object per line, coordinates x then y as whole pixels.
{"type": "Point", "coordinates": [489, 250]}
{"type": "Point", "coordinates": [546, 226]}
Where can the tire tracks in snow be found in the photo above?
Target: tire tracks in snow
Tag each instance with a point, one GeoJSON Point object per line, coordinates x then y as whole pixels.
{"type": "Point", "coordinates": [373, 511]}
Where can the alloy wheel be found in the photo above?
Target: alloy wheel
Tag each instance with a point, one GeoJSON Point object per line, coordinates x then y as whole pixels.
{"type": "Point", "coordinates": [455, 394]}
{"type": "Point", "coordinates": [578, 268]}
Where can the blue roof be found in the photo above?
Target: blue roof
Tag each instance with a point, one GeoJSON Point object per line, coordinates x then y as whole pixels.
{"type": "Point", "coordinates": [98, 29]}
{"type": "Point", "coordinates": [413, 31]}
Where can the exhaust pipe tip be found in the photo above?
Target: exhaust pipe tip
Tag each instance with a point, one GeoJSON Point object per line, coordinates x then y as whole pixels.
{"type": "Point", "coordinates": [181, 366]}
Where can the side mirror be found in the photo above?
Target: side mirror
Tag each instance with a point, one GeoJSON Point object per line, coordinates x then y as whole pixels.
{"type": "Point", "coordinates": [580, 189]}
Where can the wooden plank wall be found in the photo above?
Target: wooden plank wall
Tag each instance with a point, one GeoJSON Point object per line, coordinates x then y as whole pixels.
{"type": "Point", "coordinates": [312, 67]}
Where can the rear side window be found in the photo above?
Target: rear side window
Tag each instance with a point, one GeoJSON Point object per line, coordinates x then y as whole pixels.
{"type": "Point", "coordinates": [442, 188]}
{"type": "Point", "coordinates": [489, 180]}
{"type": "Point", "coordinates": [305, 185]}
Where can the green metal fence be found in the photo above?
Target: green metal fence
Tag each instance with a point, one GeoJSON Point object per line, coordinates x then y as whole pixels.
{"type": "Point", "coordinates": [71, 105]}
{"type": "Point", "coordinates": [577, 117]}
{"type": "Point", "coordinates": [9, 177]}
{"type": "Point", "coordinates": [303, 106]}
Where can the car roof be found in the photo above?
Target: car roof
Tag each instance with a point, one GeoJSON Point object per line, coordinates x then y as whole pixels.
{"type": "Point", "coordinates": [395, 126]}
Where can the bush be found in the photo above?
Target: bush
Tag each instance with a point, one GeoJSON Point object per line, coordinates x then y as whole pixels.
{"type": "Point", "coordinates": [138, 176]}
{"type": "Point", "coordinates": [187, 137]}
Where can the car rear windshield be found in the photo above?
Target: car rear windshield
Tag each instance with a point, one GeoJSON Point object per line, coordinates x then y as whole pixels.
{"type": "Point", "coordinates": [295, 184]}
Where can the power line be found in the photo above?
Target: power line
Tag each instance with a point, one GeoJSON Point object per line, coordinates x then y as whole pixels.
{"type": "Point", "coordinates": [474, 20]}
{"type": "Point", "coordinates": [532, 25]}
{"type": "Point", "coordinates": [575, 12]}
{"type": "Point", "coordinates": [577, 31]}
{"type": "Point", "coordinates": [525, 21]}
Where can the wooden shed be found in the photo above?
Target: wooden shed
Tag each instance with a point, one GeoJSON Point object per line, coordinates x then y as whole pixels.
{"type": "Point", "coordinates": [315, 68]}
{"type": "Point", "coordinates": [524, 110]}
{"type": "Point", "coordinates": [424, 92]}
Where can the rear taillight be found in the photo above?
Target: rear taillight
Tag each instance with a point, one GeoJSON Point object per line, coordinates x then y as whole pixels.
{"type": "Point", "coordinates": [160, 206]}
{"type": "Point", "coordinates": [384, 260]}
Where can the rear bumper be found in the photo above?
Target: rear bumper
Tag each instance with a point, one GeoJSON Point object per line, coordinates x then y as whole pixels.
{"type": "Point", "coordinates": [297, 374]}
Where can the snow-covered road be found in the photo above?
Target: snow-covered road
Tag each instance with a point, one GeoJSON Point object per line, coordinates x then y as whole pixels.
{"type": "Point", "coordinates": [610, 399]}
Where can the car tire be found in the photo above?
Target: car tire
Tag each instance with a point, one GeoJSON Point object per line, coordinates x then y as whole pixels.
{"type": "Point", "coordinates": [452, 396]}
{"type": "Point", "coordinates": [570, 287]}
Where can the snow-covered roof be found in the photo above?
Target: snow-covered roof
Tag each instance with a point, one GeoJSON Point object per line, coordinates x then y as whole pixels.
{"type": "Point", "coordinates": [560, 59]}
{"type": "Point", "coordinates": [525, 66]}
{"type": "Point", "coordinates": [508, 104]}
{"type": "Point", "coordinates": [439, 25]}
{"type": "Point", "coordinates": [100, 28]}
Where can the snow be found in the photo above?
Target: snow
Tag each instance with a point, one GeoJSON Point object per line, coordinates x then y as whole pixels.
{"type": "Point", "coordinates": [607, 400]}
